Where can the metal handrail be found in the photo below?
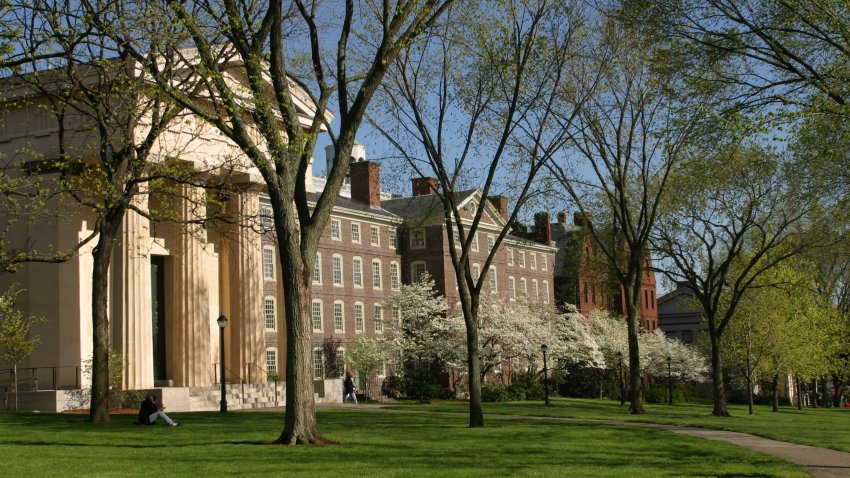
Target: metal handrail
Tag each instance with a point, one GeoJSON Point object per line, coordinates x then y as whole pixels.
{"type": "Point", "coordinates": [264, 372]}
{"type": "Point", "coordinates": [34, 376]}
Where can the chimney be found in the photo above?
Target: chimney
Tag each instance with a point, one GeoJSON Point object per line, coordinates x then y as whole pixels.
{"type": "Point", "coordinates": [424, 186]}
{"type": "Point", "coordinates": [366, 182]}
{"type": "Point", "coordinates": [562, 218]}
{"type": "Point", "coordinates": [501, 205]}
{"type": "Point", "coordinates": [580, 219]}
{"type": "Point", "coordinates": [543, 228]}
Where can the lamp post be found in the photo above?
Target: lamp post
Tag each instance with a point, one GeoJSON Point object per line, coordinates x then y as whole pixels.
{"type": "Point", "coordinates": [222, 323]}
{"type": "Point", "coordinates": [669, 382]}
{"type": "Point", "coordinates": [620, 377]}
{"type": "Point", "coordinates": [545, 348]}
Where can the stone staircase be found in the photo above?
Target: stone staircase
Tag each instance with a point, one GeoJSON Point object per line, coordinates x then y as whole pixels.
{"type": "Point", "coordinates": [238, 396]}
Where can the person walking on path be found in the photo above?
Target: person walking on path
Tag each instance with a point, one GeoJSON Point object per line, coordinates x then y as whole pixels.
{"type": "Point", "coordinates": [348, 389]}
{"type": "Point", "coordinates": [150, 412]}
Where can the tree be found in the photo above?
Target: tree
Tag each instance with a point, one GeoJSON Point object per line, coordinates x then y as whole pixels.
{"type": "Point", "coordinates": [473, 105]}
{"type": "Point", "coordinates": [246, 55]}
{"type": "Point", "coordinates": [631, 131]}
{"type": "Point", "coordinates": [16, 343]}
{"type": "Point", "coordinates": [735, 217]}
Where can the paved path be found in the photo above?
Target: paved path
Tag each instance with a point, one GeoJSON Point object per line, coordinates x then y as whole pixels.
{"type": "Point", "coordinates": [820, 462]}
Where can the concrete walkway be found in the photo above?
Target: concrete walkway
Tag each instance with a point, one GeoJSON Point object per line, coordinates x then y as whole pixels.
{"type": "Point", "coordinates": [820, 462]}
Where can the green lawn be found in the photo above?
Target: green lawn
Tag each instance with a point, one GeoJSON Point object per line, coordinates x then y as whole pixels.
{"type": "Point", "coordinates": [828, 428]}
{"type": "Point", "coordinates": [374, 443]}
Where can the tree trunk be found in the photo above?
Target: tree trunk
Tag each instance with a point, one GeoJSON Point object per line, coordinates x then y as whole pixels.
{"type": "Point", "coordinates": [635, 386]}
{"type": "Point", "coordinates": [473, 361]}
{"type": "Point", "coordinates": [799, 392]}
{"type": "Point", "coordinates": [827, 400]}
{"type": "Point", "coordinates": [718, 392]}
{"type": "Point", "coordinates": [775, 386]}
{"type": "Point", "coordinates": [14, 387]}
{"type": "Point", "coordinates": [814, 393]}
{"type": "Point", "coordinates": [300, 425]}
{"type": "Point", "coordinates": [102, 258]}
{"type": "Point", "coordinates": [837, 385]}
{"type": "Point", "coordinates": [750, 393]}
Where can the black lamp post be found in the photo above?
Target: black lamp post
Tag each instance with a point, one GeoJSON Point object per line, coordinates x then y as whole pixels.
{"type": "Point", "coordinates": [669, 382]}
{"type": "Point", "coordinates": [620, 377]}
{"type": "Point", "coordinates": [545, 348]}
{"type": "Point", "coordinates": [222, 323]}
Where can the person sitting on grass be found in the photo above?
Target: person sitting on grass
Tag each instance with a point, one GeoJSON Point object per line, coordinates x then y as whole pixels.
{"type": "Point", "coordinates": [149, 412]}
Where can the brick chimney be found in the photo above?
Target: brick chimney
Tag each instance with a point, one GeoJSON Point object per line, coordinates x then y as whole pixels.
{"type": "Point", "coordinates": [366, 182]}
{"type": "Point", "coordinates": [424, 186]}
{"type": "Point", "coordinates": [580, 219]}
{"type": "Point", "coordinates": [562, 217]}
{"type": "Point", "coordinates": [501, 205]}
{"type": "Point", "coordinates": [543, 228]}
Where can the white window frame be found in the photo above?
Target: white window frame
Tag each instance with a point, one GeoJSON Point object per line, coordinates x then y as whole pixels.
{"type": "Point", "coordinates": [339, 316]}
{"type": "Point", "coordinates": [318, 365]}
{"type": "Point", "coordinates": [521, 259]}
{"type": "Point", "coordinates": [355, 232]}
{"type": "Point", "coordinates": [378, 312]}
{"type": "Point", "coordinates": [321, 317]}
{"type": "Point", "coordinates": [545, 291]}
{"type": "Point", "coordinates": [266, 217]}
{"type": "Point", "coordinates": [377, 274]}
{"type": "Point", "coordinates": [395, 276]}
{"type": "Point", "coordinates": [268, 263]}
{"type": "Point", "coordinates": [270, 300]}
{"type": "Point", "coordinates": [511, 288]}
{"type": "Point", "coordinates": [492, 279]}
{"type": "Point", "coordinates": [523, 287]}
{"type": "Point", "coordinates": [375, 235]}
{"type": "Point", "coordinates": [510, 253]}
{"type": "Point", "coordinates": [491, 242]}
{"type": "Point", "coordinates": [336, 229]}
{"type": "Point", "coordinates": [417, 239]}
{"type": "Point", "coordinates": [532, 260]}
{"type": "Point", "coordinates": [475, 242]}
{"type": "Point", "coordinates": [396, 316]}
{"type": "Point", "coordinates": [392, 235]}
{"type": "Point", "coordinates": [476, 272]}
{"type": "Point", "coordinates": [535, 290]}
{"type": "Point", "coordinates": [340, 362]}
{"type": "Point", "coordinates": [359, 317]}
{"type": "Point", "coordinates": [413, 270]}
{"type": "Point", "coordinates": [544, 262]}
{"type": "Point", "coordinates": [271, 365]}
{"type": "Point", "coordinates": [357, 271]}
{"type": "Point", "coordinates": [336, 267]}
{"type": "Point", "coordinates": [317, 269]}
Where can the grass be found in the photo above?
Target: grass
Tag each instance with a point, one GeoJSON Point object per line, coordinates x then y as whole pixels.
{"type": "Point", "coordinates": [374, 443]}
{"type": "Point", "coordinates": [823, 427]}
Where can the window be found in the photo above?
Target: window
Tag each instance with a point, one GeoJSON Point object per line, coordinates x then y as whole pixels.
{"type": "Point", "coordinates": [375, 235]}
{"type": "Point", "coordinates": [523, 287]}
{"type": "Point", "coordinates": [355, 232]}
{"type": "Point", "coordinates": [510, 256]}
{"type": "Point", "coordinates": [336, 263]}
{"type": "Point", "coordinates": [532, 260]}
{"type": "Point", "coordinates": [394, 276]}
{"type": "Point", "coordinates": [340, 362]}
{"type": "Point", "coordinates": [339, 318]}
{"type": "Point", "coordinates": [491, 277]}
{"type": "Point", "coordinates": [491, 241]}
{"type": "Point", "coordinates": [271, 360]}
{"type": "Point", "coordinates": [546, 292]}
{"type": "Point", "coordinates": [266, 218]}
{"type": "Point", "coordinates": [544, 263]}
{"type": "Point", "coordinates": [417, 239]}
{"type": "Point", "coordinates": [376, 274]}
{"type": "Point", "coordinates": [521, 259]}
{"type": "Point", "coordinates": [357, 270]}
{"type": "Point", "coordinates": [268, 263]}
{"type": "Point", "coordinates": [270, 310]}
{"type": "Point", "coordinates": [392, 235]}
{"type": "Point", "coordinates": [336, 229]}
{"type": "Point", "coordinates": [475, 242]}
{"type": "Point", "coordinates": [456, 236]}
{"type": "Point", "coordinates": [396, 316]}
{"type": "Point", "coordinates": [379, 318]}
{"type": "Point", "coordinates": [417, 271]}
{"type": "Point", "coordinates": [535, 292]}
{"type": "Point", "coordinates": [511, 288]}
{"type": "Point", "coordinates": [317, 269]}
{"type": "Point", "coordinates": [476, 272]}
{"type": "Point", "coordinates": [316, 312]}
{"type": "Point", "coordinates": [358, 317]}
{"type": "Point", "coordinates": [318, 364]}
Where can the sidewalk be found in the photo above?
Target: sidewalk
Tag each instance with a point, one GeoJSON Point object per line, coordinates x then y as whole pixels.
{"type": "Point", "coordinates": [820, 462]}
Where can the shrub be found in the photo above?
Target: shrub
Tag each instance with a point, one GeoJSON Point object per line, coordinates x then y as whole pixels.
{"type": "Point", "coordinates": [526, 386]}
{"type": "Point", "coordinates": [658, 394]}
{"type": "Point", "coordinates": [494, 393]}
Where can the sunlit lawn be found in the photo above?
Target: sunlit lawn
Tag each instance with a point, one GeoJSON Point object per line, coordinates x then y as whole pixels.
{"type": "Point", "coordinates": [373, 443]}
{"type": "Point", "coordinates": [829, 428]}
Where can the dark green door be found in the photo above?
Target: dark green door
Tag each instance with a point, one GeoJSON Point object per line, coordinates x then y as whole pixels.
{"type": "Point", "coordinates": [158, 311]}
